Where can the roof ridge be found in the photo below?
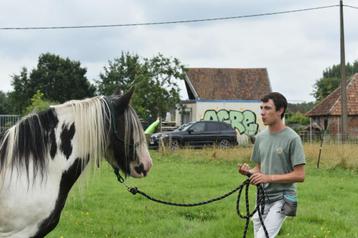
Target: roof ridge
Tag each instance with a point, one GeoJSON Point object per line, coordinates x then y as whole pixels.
{"type": "Point", "coordinates": [348, 86]}
{"type": "Point", "coordinates": [319, 109]}
{"type": "Point", "coordinates": [334, 104]}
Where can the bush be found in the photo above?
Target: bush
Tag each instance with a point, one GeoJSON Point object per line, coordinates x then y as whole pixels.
{"type": "Point", "coordinates": [38, 103]}
{"type": "Point", "coordinates": [297, 118]}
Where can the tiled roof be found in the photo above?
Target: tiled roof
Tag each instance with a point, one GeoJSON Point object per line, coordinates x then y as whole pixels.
{"type": "Point", "coordinates": [227, 83]}
{"type": "Point", "coordinates": [331, 105]}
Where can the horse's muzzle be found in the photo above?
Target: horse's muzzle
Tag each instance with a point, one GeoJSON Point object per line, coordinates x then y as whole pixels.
{"type": "Point", "coordinates": [141, 169]}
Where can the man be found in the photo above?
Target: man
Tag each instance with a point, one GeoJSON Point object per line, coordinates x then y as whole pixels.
{"type": "Point", "coordinates": [279, 157]}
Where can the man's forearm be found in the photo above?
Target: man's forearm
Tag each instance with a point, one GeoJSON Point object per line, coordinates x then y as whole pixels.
{"type": "Point", "coordinates": [297, 175]}
{"type": "Point", "coordinates": [291, 177]}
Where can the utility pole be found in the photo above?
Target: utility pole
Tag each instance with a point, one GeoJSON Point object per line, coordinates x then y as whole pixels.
{"type": "Point", "coordinates": [343, 80]}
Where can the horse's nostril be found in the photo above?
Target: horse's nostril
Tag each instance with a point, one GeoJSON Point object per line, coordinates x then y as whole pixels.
{"type": "Point", "coordinates": [140, 169]}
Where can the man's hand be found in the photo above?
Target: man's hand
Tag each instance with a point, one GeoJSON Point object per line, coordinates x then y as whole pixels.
{"type": "Point", "coordinates": [258, 178]}
{"type": "Point", "coordinates": [244, 169]}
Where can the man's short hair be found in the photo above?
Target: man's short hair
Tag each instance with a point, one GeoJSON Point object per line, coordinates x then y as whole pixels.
{"type": "Point", "coordinates": [278, 99]}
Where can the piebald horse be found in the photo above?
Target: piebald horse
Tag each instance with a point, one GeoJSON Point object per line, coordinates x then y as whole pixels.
{"type": "Point", "coordinates": [43, 155]}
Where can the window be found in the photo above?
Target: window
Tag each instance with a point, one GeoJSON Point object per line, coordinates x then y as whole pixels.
{"type": "Point", "coordinates": [225, 126]}
{"type": "Point", "coordinates": [214, 126]}
{"type": "Point", "coordinates": [198, 127]}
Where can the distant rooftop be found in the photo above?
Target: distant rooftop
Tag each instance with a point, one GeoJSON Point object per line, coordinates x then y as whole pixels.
{"type": "Point", "coordinates": [331, 105]}
{"type": "Point", "coordinates": [227, 83]}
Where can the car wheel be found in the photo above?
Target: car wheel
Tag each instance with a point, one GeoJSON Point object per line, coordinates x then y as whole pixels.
{"type": "Point", "coordinates": [174, 144]}
{"type": "Point", "coordinates": [224, 143]}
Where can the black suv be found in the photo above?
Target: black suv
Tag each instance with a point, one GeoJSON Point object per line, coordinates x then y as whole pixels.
{"type": "Point", "coordinates": [196, 134]}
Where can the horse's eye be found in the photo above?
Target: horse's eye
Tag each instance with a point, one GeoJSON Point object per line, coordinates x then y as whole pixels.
{"type": "Point", "coordinates": [136, 144]}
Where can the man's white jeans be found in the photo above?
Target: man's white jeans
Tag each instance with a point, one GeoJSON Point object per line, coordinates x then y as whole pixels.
{"type": "Point", "coordinates": [272, 218]}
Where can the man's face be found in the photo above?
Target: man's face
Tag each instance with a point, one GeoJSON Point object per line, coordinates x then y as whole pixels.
{"type": "Point", "coordinates": [269, 114]}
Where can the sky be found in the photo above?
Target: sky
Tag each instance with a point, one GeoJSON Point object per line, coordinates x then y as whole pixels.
{"type": "Point", "coordinates": [295, 48]}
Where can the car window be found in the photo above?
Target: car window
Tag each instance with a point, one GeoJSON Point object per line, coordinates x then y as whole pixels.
{"type": "Point", "coordinates": [198, 127]}
{"type": "Point", "coordinates": [211, 126]}
{"type": "Point", "coordinates": [225, 126]}
{"type": "Point", "coordinates": [182, 127]}
{"type": "Point", "coordinates": [185, 127]}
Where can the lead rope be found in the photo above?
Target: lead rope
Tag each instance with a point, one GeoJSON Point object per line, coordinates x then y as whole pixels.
{"type": "Point", "coordinates": [260, 201]}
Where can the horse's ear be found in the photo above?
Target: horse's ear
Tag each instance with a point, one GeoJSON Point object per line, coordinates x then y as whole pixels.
{"type": "Point", "coordinates": [124, 100]}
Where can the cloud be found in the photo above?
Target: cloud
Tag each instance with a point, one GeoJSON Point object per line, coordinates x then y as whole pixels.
{"type": "Point", "coordinates": [12, 67]}
{"type": "Point", "coordinates": [295, 48]}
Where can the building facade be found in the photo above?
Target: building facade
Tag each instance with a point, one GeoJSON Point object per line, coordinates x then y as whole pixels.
{"type": "Point", "coordinates": [230, 95]}
{"type": "Point", "coordinates": [327, 114]}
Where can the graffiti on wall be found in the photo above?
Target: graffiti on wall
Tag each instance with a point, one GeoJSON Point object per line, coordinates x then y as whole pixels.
{"type": "Point", "coordinates": [244, 121]}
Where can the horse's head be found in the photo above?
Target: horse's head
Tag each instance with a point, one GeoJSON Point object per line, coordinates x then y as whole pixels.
{"type": "Point", "coordinates": [127, 140]}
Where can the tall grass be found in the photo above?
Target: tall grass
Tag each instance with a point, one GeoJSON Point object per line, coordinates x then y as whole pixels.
{"type": "Point", "coordinates": [333, 155]}
{"type": "Point", "coordinates": [327, 198]}
{"type": "Point", "coordinates": [241, 154]}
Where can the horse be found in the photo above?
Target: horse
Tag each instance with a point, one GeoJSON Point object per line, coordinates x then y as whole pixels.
{"type": "Point", "coordinates": [43, 155]}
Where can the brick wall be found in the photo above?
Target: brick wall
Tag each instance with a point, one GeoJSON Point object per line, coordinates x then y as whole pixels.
{"type": "Point", "coordinates": [334, 124]}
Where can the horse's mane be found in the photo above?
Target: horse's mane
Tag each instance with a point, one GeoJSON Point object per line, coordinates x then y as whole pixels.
{"type": "Point", "coordinates": [33, 137]}
{"type": "Point", "coordinates": [27, 140]}
{"type": "Point", "coordinates": [133, 126]}
{"type": "Point", "coordinates": [92, 119]}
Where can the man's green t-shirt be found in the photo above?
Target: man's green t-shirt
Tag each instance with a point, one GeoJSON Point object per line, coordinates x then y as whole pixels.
{"type": "Point", "coordinates": [278, 153]}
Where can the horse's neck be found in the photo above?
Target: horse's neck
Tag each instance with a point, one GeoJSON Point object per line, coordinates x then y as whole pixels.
{"type": "Point", "coordinates": [66, 135]}
{"type": "Point", "coordinates": [76, 136]}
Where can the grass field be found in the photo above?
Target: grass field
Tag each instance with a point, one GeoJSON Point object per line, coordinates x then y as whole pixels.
{"type": "Point", "coordinates": [103, 207]}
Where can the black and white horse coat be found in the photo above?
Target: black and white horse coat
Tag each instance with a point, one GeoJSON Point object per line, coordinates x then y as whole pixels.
{"type": "Point", "coordinates": [43, 155]}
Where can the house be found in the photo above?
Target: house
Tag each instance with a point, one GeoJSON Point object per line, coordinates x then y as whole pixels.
{"type": "Point", "coordinates": [231, 95]}
{"type": "Point", "coordinates": [328, 112]}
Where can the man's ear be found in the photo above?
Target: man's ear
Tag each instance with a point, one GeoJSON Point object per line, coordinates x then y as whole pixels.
{"type": "Point", "coordinates": [281, 110]}
{"type": "Point", "coordinates": [124, 100]}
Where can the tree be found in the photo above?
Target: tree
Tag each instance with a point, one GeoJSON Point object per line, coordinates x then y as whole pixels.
{"type": "Point", "coordinates": [38, 103]}
{"type": "Point", "coordinates": [297, 118]}
{"type": "Point", "coordinates": [4, 103]}
{"type": "Point", "coordinates": [58, 79]}
{"type": "Point", "coordinates": [331, 80]}
{"type": "Point", "coordinates": [300, 107]}
{"type": "Point", "coordinates": [154, 79]}
{"type": "Point", "coordinates": [20, 97]}
{"type": "Point", "coordinates": [295, 115]}
{"type": "Point", "coordinates": [324, 86]}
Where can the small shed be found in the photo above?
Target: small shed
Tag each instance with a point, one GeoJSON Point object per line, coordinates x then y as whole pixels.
{"type": "Point", "coordinates": [231, 95]}
{"type": "Point", "coordinates": [328, 111]}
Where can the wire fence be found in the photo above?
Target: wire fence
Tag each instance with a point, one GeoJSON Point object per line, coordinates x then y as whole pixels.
{"type": "Point", "coordinates": [328, 138]}
{"type": "Point", "coordinates": [7, 121]}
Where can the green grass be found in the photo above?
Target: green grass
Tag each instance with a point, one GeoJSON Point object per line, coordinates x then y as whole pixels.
{"type": "Point", "coordinates": [104, 208]}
